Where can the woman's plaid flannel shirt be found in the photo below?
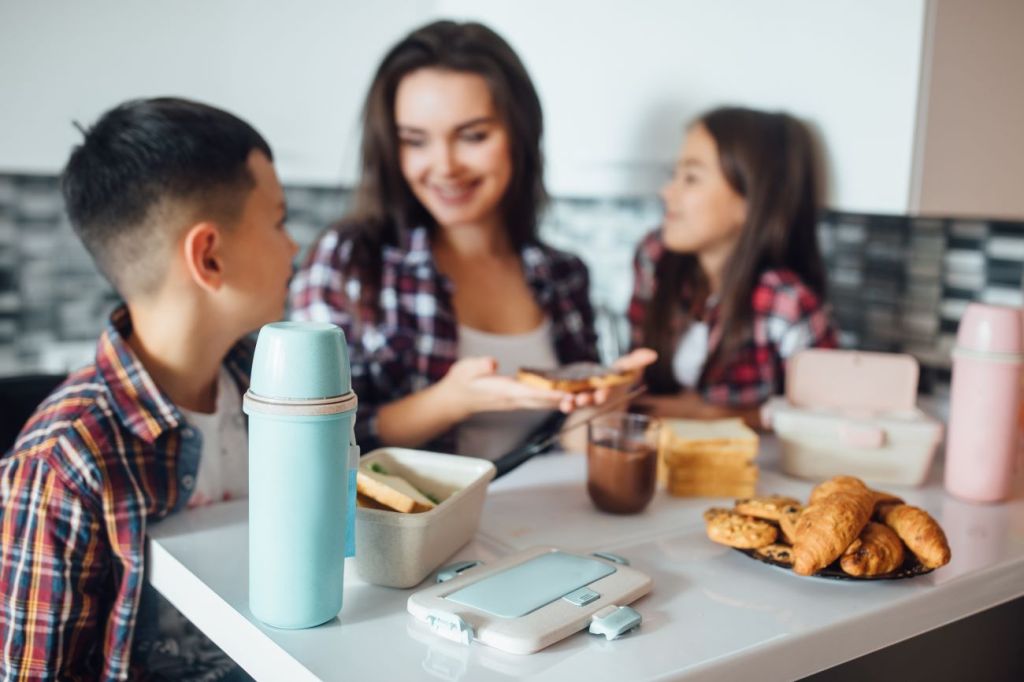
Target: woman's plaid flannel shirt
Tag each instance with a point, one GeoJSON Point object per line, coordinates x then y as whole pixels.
{"type": "Point", "coordinates": [403, 336]}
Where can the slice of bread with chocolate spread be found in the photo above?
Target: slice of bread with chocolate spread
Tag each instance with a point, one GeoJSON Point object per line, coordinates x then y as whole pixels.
{"type": "Point", "coordinates": [575, 377]}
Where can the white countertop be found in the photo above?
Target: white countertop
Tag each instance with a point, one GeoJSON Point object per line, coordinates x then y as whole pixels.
{"type": "Point", "coordinates": [713, 612]}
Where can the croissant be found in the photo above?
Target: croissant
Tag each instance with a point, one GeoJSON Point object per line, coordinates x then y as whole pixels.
{"type": "Point", "coordinates": [878, 550]}
{"type": "Point", "coordinates": [882, 497]}
{"type": "Point", "coordinates": [825, 529]}
{"type": "Point", "coordinates": [922, 535]}
{"type": "Point", "coordinates": [845, 484]}
{"type": "Point", "coordinates": [851, 484]}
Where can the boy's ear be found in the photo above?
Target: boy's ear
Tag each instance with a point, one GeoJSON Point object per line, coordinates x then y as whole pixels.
{"type": "Point", "coordinates": [203, 258]}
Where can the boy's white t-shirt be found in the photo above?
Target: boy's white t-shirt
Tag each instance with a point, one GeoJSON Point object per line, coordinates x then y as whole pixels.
{"type": "Point", "coordinates": [180, 650]}
{"type": "Point", "coordinates": [224, 463]}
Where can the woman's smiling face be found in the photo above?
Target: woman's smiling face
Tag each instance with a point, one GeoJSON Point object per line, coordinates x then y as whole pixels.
{"type": "Point", "coordinates": [454, 149]}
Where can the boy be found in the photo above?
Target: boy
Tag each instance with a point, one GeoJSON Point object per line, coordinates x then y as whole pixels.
{"type": "Point", "coordinates": [179, 206]}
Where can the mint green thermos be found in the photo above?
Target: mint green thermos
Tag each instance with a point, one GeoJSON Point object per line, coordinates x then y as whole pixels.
{"type": "Point", "coordinates": [302, 470]}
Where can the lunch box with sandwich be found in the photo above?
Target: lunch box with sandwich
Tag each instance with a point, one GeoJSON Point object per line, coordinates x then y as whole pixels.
{"type": "Point", "coordinates": [400, 549]}
{"type": "Point", "coordinates": [855, 413]}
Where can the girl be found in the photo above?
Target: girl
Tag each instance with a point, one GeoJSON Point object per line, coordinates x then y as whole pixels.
{"type": "Point", "coordinates": [438, 277]}
{"type": "Point", "coordinates": [732, 284]}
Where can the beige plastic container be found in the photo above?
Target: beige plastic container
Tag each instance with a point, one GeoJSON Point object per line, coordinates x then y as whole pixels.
{"type": "Point", "coordinates": [894, 448]}
{"type": "Point", "coordinates": [854, 413]}
{"type": "Point", "coordinates": [400, 550]}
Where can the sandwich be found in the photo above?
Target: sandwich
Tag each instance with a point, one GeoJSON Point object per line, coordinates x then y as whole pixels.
{"type": "Point", "coordinates": [378, 489]}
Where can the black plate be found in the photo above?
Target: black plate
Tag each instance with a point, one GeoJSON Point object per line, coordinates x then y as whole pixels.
{"type": "Point", "coordinates": [911, 568]}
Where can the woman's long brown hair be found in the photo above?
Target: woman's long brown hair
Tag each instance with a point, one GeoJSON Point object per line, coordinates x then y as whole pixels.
{"type": "Point", "coordinates": [385, 207]}
{"type": "Point", "coordinates": [770, 160]}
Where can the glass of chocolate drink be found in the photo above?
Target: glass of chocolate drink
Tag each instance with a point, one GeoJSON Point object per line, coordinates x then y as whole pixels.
{"type": "Point", "coordinates": [622, 461]}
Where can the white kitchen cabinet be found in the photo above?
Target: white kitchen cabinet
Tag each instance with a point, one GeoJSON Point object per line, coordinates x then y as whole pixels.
{"type": "Point", "coordinates": [969, 158]}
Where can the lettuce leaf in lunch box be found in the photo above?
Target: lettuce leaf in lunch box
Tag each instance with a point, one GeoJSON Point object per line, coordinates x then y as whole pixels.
{"type": "Point", "coordinates": [378, 469]}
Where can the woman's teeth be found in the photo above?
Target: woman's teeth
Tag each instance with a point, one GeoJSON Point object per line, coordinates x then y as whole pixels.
{"type": "Point", "coordinates": [452, 192]}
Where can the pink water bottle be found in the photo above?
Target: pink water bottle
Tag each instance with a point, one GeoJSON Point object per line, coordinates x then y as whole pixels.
{"type": "Point", "coordinates": [982, 441]}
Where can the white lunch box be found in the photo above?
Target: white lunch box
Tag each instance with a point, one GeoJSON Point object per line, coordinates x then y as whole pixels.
{"type": "Point", "coordinates": [400, 550]}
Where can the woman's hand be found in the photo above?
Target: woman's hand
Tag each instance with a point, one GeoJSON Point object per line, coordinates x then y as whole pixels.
{"type": "Point", "coordinates": [472, 385]}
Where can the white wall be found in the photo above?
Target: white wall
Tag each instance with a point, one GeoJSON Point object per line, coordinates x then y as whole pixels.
{"type": "Point", "coordinates": [296, 70]}
{"type": "Point", "coordinates": [617, 79]}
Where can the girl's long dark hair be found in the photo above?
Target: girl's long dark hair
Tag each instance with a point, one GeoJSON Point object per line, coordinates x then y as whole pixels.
{"type": "Point", "coordinates": [769, 159]}
{"type": "Point", "coordinates": [385, 207]}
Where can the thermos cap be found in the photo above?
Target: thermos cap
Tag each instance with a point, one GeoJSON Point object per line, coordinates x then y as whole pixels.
{"type": "Point", "coordinates": [300, 361]}
{"type": "Point", "coordinates": [991, 330]}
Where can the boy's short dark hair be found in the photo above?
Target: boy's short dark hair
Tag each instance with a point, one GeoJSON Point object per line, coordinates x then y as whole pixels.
{"type": "Point", "coordinates": [145, 170]}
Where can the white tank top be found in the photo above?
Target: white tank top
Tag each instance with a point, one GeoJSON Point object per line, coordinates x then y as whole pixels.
{"type": "Point", "coordinates": [691, 354]}
{"type": "Point", "coordinates": [492, 434]}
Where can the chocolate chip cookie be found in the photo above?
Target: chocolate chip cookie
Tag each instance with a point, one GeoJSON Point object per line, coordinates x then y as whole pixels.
{"type": "Point", "coordinates": [727, 527]}
{"type": "Point", "coordinates": [787, 522]}
{"type": "Point", "coordinates": [766, 507]}
{"type": "Point", "coordinates": [779, 553]}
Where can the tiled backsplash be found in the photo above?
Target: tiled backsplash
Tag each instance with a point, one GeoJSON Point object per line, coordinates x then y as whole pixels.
{"type": "Point", "coordinates": [896, 283]}
{"type": "Point", "coordinates": [901, 283]}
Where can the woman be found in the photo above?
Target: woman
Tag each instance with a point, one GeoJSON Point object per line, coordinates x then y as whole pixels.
{"type": "Point", "coordinates": [732, 285]}
{"type": "Point", "coordinates": [438, 276]}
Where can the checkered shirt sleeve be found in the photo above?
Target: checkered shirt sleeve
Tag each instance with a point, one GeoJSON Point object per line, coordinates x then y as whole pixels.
{"type": "Point", "coordinates": [55, 598]}
{"type": "Point", "coordinates": [644, 265]}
